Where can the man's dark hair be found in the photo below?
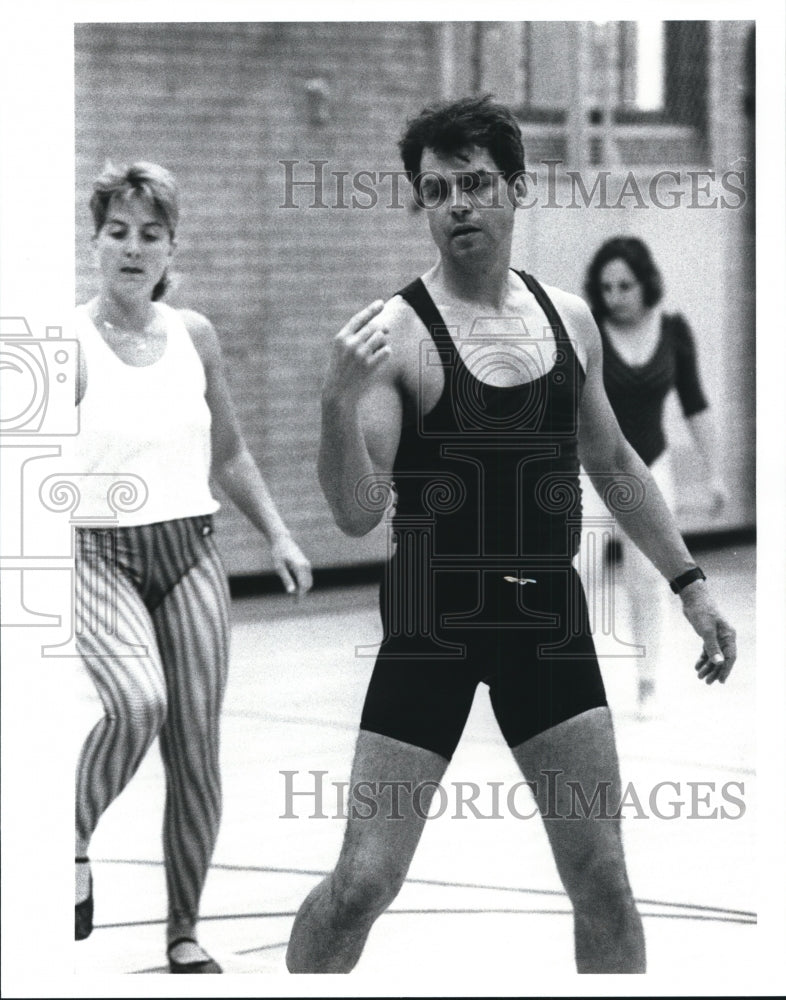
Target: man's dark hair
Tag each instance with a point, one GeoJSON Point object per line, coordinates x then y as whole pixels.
{"type": "Point", "coordinates": [450, 128]}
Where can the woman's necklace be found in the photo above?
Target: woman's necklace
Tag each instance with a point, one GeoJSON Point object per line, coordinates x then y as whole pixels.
{"type": "Point", "coordinates": [134, 345]}
{"type": "Point", "coordinates": [139, 341]}
{"type": "Point", "coordinates": [142, 339]}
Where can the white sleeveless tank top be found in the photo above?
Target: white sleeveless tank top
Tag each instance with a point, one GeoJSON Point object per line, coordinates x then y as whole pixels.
{"type": "Point", "coordinates": [146, 427]}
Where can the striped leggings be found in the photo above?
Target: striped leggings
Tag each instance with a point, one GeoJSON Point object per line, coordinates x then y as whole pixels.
{"type": "Point", "coordinates": [152, 629]}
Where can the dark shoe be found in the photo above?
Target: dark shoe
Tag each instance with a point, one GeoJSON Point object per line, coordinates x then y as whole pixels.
{"type": "Point", "coordinates": [205, 965]}
{"type": "Point", "coordinates": [83, 912]}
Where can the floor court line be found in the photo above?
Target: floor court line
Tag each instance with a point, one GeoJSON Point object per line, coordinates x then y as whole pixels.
{"type": "Point", "coordinates": [721, 911]}
{"type": "Point", "coordinates": [437, 911]}
{"type": "Point", "coordinates": [262, 947]}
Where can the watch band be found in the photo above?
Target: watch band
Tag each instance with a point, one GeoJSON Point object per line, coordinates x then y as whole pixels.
{"type": "Point", "coordinates": [690, 576]}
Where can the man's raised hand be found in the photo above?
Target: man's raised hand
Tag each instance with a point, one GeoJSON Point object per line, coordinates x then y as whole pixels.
{"type": "Point", "coordinates": [357, 350]}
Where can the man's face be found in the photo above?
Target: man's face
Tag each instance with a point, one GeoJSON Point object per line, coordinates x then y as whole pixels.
{"type": "Point", "coordinates": [468, 203]}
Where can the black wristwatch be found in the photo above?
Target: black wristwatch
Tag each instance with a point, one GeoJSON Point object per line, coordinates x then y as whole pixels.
{"type": "Point", "coordinates": [681, 582]}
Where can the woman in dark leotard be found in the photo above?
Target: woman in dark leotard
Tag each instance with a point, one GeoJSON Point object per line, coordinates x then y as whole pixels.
{"type": "Point", "coordinates": [647, 353]}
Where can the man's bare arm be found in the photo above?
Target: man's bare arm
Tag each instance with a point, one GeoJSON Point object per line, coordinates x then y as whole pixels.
{"type": "Point", "coordinates": [361, 421]}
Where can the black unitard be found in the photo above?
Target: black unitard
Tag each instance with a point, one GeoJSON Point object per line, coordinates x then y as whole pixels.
{"type": "Point", "coordinates": [487, 488]}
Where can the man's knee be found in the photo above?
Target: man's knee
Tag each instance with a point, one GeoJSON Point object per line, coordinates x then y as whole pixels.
{"type": "Point", "coordinates": [598, 880]}
{"type": "Point", "coordinates": [364, 888]}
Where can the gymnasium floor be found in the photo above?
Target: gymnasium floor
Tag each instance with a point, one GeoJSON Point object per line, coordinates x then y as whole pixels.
{"type": "Point", "coordinates": [482, 899]}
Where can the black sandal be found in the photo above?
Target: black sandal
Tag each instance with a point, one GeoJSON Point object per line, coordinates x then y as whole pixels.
{"type": "Point", "coordinates": [83, 912]}
{"type": "Point", "coordinates": [203, 965]}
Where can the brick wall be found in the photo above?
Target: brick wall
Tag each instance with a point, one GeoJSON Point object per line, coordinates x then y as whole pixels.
{"type": "Point", "coordinates": [220, 105]}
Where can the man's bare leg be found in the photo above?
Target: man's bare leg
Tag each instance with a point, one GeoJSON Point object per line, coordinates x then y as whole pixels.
{"type": "Point", "coordinates": [588, 850]}
{"type": "Point", "coordinates": [332, 924]}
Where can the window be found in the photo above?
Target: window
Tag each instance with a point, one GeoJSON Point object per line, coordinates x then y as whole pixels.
{"type": "Point", "coordinates": [590, 92]}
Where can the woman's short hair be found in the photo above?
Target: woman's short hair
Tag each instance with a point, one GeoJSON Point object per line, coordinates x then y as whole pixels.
{"type": "Point", "coordinates": [635, 253]}
{"type": "Point", "coordinates": [147, 180]}
{"type": "Point", "coordinates": [450, 128]}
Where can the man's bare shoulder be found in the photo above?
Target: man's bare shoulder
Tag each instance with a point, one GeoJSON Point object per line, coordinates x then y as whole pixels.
{"type": "Point", "coordinates": [399, 317]}
{"type": "Point", "coordinates": [570, 306]}
{"type": "Point", "coordinates": [579, 323]}
{"type": "Point", "coordinates": [405, 329]}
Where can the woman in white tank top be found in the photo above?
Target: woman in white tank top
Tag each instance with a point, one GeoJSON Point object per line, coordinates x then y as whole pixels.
{"type": "Point", "coordinates": [155, 411]}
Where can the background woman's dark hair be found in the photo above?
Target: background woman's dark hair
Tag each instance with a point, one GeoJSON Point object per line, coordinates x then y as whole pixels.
{"type": "Point", "coordinates": [148, 180]}
{"type": "Point", "coordinates": [637, 256]}
{"type": "Point", "coordinates": [472, 121]}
